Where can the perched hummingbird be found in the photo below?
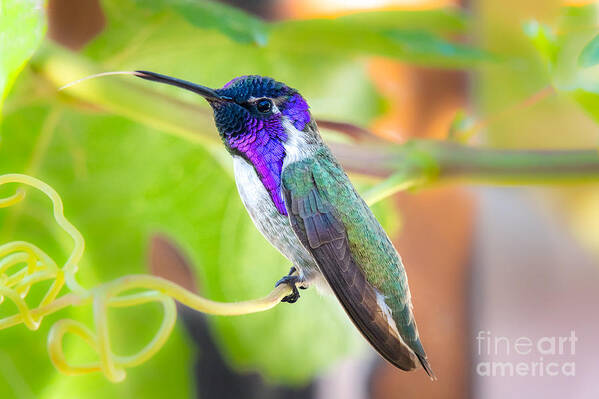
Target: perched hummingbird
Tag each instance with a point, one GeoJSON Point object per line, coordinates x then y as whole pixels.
{"type": "Point", "coordinates": [302, 201]}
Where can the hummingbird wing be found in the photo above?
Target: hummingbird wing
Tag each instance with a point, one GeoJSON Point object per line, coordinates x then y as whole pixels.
{"type": "Point", "coordinates": [339, 230]}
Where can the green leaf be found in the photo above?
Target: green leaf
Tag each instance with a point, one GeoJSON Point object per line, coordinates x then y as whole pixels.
{"type": "Point", "coordinates": [349, 38]}
{"type": "Point", "coordinates": [580, 43]}
{"type": "Point", "coordinates": [589, 101]}
{"type": "Point", "coordinates": [544, 39]}
{"type": "Point", "coordinates": [205, 14]}
{"type": "Point", "coordinates": [590, 54]}
{"type": "Point", "coordinates": [427, 47]}
{"type": "Point", "coordinates": [423, 37]}
{"type": "Point", "coordinates": [22, 26]}
{"type": "Point", "coordinates": [570, 49]}
{"type": "Point", "coordinates": [441, 21]}
{"type": "Point", "coordinates": [234, 23]}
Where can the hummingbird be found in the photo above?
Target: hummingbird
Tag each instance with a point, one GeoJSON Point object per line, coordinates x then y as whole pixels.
{"type": "Point", "coordinates": [304, 204]}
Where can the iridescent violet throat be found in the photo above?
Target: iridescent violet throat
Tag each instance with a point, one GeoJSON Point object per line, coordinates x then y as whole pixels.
{"type": "Point", "coordinates": [301, 200]}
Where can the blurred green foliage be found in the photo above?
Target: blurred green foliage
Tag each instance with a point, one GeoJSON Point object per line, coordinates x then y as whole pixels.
{"type": "Point", "coordinates": [236, 24]}
{"type": "Point", "coordinates": [541, 45]}
{"type": "Point", "coordinates": [589, 56]}
{"type": "Point", "coordinates": [22, 28]}
{"type": "Point", "coordinates": [570, 49]}
{"type": "Point", "coordinates": [123, 179]}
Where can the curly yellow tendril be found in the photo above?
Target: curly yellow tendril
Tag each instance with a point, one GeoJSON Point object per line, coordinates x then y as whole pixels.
{"type": "Point", "coordinates": [22, 265]}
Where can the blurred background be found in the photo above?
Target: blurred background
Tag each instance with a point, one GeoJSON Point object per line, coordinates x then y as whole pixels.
{"type": "Point", "coordinates": [144, 178]}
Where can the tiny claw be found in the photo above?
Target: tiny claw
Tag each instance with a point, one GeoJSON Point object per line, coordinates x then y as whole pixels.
{"type": "Point", "coordinates": [293, 297]}
{"type": "Point", "coordinates": [291, 280]}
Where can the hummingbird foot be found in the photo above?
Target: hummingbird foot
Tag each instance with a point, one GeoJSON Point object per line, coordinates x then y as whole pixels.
{"type": "Point", "coordinates": [292, 280]}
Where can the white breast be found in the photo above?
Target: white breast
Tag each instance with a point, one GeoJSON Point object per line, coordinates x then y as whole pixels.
{"type": "Point", "coordinates": [273, 226]}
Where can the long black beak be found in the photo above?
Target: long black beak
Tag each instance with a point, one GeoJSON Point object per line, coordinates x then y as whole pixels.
{"type": "Point", "coordinates": [206, 92]}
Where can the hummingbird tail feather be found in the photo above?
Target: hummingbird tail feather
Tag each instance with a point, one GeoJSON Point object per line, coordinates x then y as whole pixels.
{"type": "Point", "coordinates": [426, 366]}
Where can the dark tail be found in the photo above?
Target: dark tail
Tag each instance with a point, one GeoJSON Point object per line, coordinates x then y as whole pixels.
{"type": "Point", "coordinates": [427, 367]}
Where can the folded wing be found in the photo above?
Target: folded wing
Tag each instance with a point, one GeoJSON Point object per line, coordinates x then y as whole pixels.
{"type": "Point", "coordinates": [321, 231]}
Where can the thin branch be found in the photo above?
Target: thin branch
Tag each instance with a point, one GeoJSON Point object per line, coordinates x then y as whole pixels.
{"type": "Point", "coordinates": [441, 160]}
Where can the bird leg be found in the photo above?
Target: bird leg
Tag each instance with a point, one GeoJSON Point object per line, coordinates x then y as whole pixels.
{"type": "Point", "coordinates": [292, 280]}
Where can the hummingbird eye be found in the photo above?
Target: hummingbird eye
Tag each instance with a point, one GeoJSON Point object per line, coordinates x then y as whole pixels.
{"type": "Point", "coordinates": [264, 106]}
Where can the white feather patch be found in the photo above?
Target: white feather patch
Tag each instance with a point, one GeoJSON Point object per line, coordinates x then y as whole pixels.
{"type": "Point", "coordinates": [296, 147]}
{"type": "Point", "coordinates": [380, 300]}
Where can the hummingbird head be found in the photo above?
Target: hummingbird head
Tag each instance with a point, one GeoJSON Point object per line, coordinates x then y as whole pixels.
{"type": "Point", "coordinates": [258, 109]}
{"type": "Point", "coordinates": [258, 119]}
